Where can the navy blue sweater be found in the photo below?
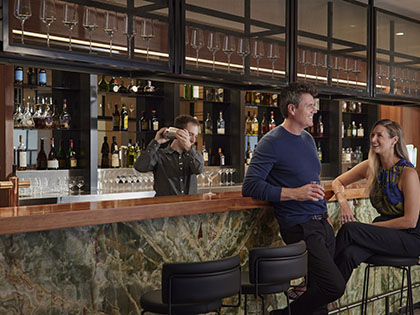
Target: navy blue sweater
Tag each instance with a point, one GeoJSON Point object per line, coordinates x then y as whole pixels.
{"type": "Point", "coordinates": [282, 159]}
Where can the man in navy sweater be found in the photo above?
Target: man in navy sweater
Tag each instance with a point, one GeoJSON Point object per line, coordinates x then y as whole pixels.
{"type": "Point", "coordinates": [284, 164]}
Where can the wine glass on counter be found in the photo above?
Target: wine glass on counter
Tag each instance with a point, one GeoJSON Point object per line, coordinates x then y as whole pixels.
{"type": "Point", "coordinates": [197, 42]}
{"type": "Point", "coordinates": [111, 26]}
{"type": "Point", "coordinates": [273, 55]}
{"type": "Point", "coordinates": [213, 45]}
{"type": "Point", "coordinates": [130, 30]}
{"type": "Point", "coordinates": [243, 51]}
{"type": "Point", "coordinates": [47, 14]}
{"type": "Point", "coordinates": [89, 23]}
{"type": "Point", "coordinates": [147, 32]}
{"type": "Point", "coordinates": [70, 19]}
{"type": "Point", "coordinates": [257, 52]}
{"type": "Point", "coordinates": [229, 46]}
{"type": "Point", "coordinates": [80, 183]}
{"type": "Point", "coordinates": [22, 12]}
{"type": "Point", "coordinates": [210, 175]}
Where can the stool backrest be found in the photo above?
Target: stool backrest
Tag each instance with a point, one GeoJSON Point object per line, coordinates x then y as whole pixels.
{"type": "Point", "coordinates": [201, 281]}
{"type": "Point", "coordinates": [278, 264]}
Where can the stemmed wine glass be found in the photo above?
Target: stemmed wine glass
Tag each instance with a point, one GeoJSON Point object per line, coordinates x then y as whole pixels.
{"type": "Point", "coordinates": [243, 51]}
{"type": "Point", "coordinates": [229, 46]}
{"type": "Point", "coordinates": [213, 45]}
{"type": "Point", "coordinates": [80, 184]}
{"type": "Point", "coordinates": [147, 33]}
{"type": "Point", "coordinates": [70, 18]}
{"type": "Point", "coordinates": [23, 12]}
{"type": "Point", "coordinates": [211, 175]}
{"type": "Point", "coordinates": [130, 30]}
{"type": "Point", "coordinates": [47, 14]}
{"type": "Point", "coordinates": [257, 52]}
{"type": "Point", "coordinates": [197, 42]}
{"type": "Point", "coordinates": [89, 23]}
{"type": "Point", "coordinates": [111, 26]}
{"type": "Point", "coordinates": [273, 55]}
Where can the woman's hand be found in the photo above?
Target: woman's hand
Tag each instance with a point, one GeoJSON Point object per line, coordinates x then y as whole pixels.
{"type": "Point", "coordinates": [346, 213]}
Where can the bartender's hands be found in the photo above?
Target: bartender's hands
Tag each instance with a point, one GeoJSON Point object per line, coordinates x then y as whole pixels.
{"type": "Point", "coordinates": [183, 136]}
{"type": "Point", "coordinates": [159, 136]}
{"type": "Point", "coordinates": [346, 213]}
{"type": "Point", "coordinates": [312, 192]}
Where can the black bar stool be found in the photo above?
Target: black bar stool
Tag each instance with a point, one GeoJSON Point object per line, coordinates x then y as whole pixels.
{"type": "Point", "coordinates": [193, 288]}
{"type": "Point", "coordinates": [271, 270]}
{"type": "Point", "coordinates": [403, 263]}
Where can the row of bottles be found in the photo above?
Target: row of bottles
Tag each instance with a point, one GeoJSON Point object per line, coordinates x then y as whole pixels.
{"type": "Point", "coordinates": [124, 156]}
{"type": "Point", "coordinates": [118, 87]}
{"type": "Point", "coordinates": [33, 76]}
{"type": "Point", "coordinates": [63, 159]}
{"type": "Point", "coordinates": [196, 92]}
{"type": "Point", "coordinates": [259, 98]}
{"type": "Point", "coordinates": [210, 159]}
{"type": "Point", "coordinates": [351, 107]}
{"type": "Point", "coordinates": [42, 115]}
{"type": "Point", "coordinates": [220, 125]}
{"type": "Point", "coordinates": [348, 155]}
{"type": "Point", "coordinates": [352, 130]}
{"type": "Point", "coordinates": [252, 125]}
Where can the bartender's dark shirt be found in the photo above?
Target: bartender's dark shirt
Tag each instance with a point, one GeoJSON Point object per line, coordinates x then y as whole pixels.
{"type": "Point", "coordinates": [174, 173]}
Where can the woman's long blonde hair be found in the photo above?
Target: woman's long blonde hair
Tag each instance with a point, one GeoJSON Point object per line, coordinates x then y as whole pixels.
{"type": "Point", "coordinates": [400, 150]}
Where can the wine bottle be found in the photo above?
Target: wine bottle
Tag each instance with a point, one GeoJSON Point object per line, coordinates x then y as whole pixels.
{"type": "Point", "coordinates": [220, 124]}
{"type": "Point", "coordinates": [61, 156]}
{"type": "Point", "coordinates": [41, 160]}
{"type": "Point", "coordinates": [272, 123]}
{"type": "Point", "coordinates": [188, 91]}
{"type": "Point", "coordinates": [115, 159]}
{"type": "Point", "coordinates": [154, 121]}
{"type": "Point", "coordinates": [221, 158]}
{"type": "Point", "coordinates": [103, 86]}
{"type": "Point", "coordinates": [105, 153]}
{"type": "Point", "coordinates": [124, 118]}
{"type": "Point", "coordinates": [144, 124]}
{"type": "Point", "coordinates": [248, 124]}
{"type": "Point", "coordinates": [18, 75]}
{"type": "Point", "coordinates": [52, 162]}
{"type": "Point", "coordinates": [205, 154]}
{"type": "Point", "coordinates": [113, 85]}
{"type": "Point", "coordinates": [137, 151]}
{"type": "Point", "coordinates": [116, 119]}
{"type": "Point", "coordinates": [71, 155]}
{"type": "Point", "coordinates": [264, 124]}
{"type": "Point", "coordinates": [208, 125]}
{"type": "Point", "coordinates": [130, 154]}
{"type": "Point", "coordinates": [248, 153]}
{"type": "Point", "coordinates": [21, 155]}
{"type": "Point", "coordinates": [132, 88]}
{"type": "Point", "coordinates": [42, 77]}
{"type": "Point", "coordinates": [255, 125]}
{"type": "Point", "coordinates": [65, 118]}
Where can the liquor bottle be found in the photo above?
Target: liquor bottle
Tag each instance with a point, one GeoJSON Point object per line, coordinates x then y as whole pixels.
{"type": "Point", "coordinates": [255, 125]}
{"type": "Point", "coordinates": [105, 153]}
{"type": "Point", "coordinates": [320, 127]}
{"type": "Point", "coordinates": [319, 152]}
{"type": "Point", "coordinates": [22, 162]}
{"type": "Point", "coordinates": [42, 77]}
{"type": "Point", "coordinates": [103, 86]}
{"type": "Point", "coordinates": [38, 117]}
{"type": "Point", "coordinates": [137, 151]}
{"type": "Point", "coordinates": [188, 91]}
{"type": "Point", "coordinates": [220, 124]}
{"type": "Point", "coordinates": [41, 160]}
{"type": "Point", "coordinates": [55, 116]}
{"type": "Point", "coordinates": [52, 162]}
{"type": "Point", "coordinates": [343, 106]}
{"type": "Point", "coordinates": [348, 133]}
{"type": "Point", "coordinates": [61, 156]}
{"type": "Point", "coordinates": [122, 88]}
{"type": "Point", "coordinates": [116, 119]}
{"type": "Point", "coordinates": [27, 120]}
{"type": "Point", "coordinates": [342, 129]}
{"type": "Point", "coordinates": [360, 131]}
{"type": "Point", "coordinates": [348, 155]}
{"type": "Point", "coordinates": [154, 121]}
{"type": "Point", "coordinates": [248, 124]}
{"type": "Point", "coordinates": [130, 154]}
{"type": "Point", "coordinates": [115, 159]}
{"type": "Point", "coordinates": [221, 158]}
{"type": "Point", "coordinates": [124, 118]}
{"type": "Point", "coordinates": [71, 155]}
{"type": "Point", "coordinates": [149, 88]}
{"type": "Point", "coordinates": [353, 129]}
{"type": "Point", "coordinates": [359, 107]}
{"type": "Point", "coordinates": [18, 117]}
{"type": "Point", "coordinates": [65, 118]}
{"type": "Point", "coordinates": [132, 88]}
{"type": "Point", "coordinates": [196, 92]}
{"type": "Point", "coordinates": [205, 154]}
{"type": "Point", "coordinates": [113, 85]}
{"type": "Point", "coordinates": [272, 123]}
{"type": "Point", "coordinates": [248, 97]}
{"type": "Point", "coordinates": [343, 155]}
{"type": "Point", "coordinates": [144, 123]}
{"type": "Point", "coordinates": [248, 153]}
{"type": "Point", "coordinates": [48, 117]}
{"type": "Point", "coordinates": [219, 95]}
{"type": "Point", "coordinates": [264, 124]}
{"type": "Point", "coordinates": [208, 125]}
{"type": "Point", "coordinates": [18, 75]}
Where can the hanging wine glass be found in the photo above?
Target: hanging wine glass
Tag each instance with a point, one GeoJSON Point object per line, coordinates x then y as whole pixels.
{"type": "Point", "coordinates": [356, 70]}
{"type": "Point", "coordinates": [89, 23]}
{"type": "Point", "coordinates": [197, 41]}
{"type": "Point", "coordinates": [348, 68]}
{"type": "Point", "coordinates": [229, 46]}
{"type": "Point", "coordinates": [111, 26]}
{"type": "Point", "coordinates": [187, 37]}
{"type": "Point", "coordinates": [22, 12]}
{"type": "Point", "coordinates": [130, 30]}
{"type": "Point", "coordinates": [243, 51]}
{"type": "Point", "coordinates": [147, 32]}
{"type": "Point", "coordinates": [213, 45]}
{"type": "Point", "coordinates": [315, 65]}
{"type": "Point", "coordinates": [70, 18]}
{"type": "Point", "coordinates": [273, 55]}
{"type": "Point", "coordinates": [257, 52]}
{"type": "Point", "coordinates": [47, 14]}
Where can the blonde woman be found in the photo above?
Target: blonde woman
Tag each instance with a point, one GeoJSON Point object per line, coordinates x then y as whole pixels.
{"type": "Point", "coordinates": [394, 192]}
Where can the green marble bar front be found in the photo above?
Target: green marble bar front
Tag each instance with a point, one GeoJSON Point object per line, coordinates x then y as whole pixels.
{"type": "Point", "coordinates": [104, 269]}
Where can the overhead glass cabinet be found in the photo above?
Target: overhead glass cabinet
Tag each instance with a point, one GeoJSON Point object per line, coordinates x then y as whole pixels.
{"type": "Point", "coordinates": [238, 38]}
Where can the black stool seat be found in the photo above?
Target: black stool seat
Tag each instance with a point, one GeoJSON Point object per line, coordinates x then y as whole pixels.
{"type": "Point", "coordinates": [265, 288]}
{"type": "Point", "coordinates": [152, 301]}
{"type": "Point", "coordinates": [392, 261]}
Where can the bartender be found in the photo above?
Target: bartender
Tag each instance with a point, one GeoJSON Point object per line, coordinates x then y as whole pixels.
{"type": "Point", "coordinates": [175, 166]}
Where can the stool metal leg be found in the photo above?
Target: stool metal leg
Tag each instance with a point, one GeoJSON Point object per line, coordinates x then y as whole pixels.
{"type": "Point", "coordinates": [365, 291]}
{"type": "Point", "coordinates": [288, 303]}
{"type": "Point", "coordinates": [246, 304]}
{"type": "Point", "coordinates": [262, 304]}
{"type": "Point", "coordinates": [402, 287]}
{"type": "Point", "coordinates": [410, 305]}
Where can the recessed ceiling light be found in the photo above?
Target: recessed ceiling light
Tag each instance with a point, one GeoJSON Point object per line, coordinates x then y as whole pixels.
{"type": "Point", "coordinates": [399, 33]}
{"type": "Point", "coordinates": [352, 25]}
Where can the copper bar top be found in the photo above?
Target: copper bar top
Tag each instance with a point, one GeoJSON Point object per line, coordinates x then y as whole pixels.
{"type": "Point", "coordinates": [56, 216]}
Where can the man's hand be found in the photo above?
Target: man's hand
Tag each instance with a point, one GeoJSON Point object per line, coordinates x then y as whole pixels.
{"type": "Point", "coordinates": [183, 136]}
{"type": "Point", "coordinates": [159, 136]}
{"type": "Point", "coordinates": [312, 192]}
